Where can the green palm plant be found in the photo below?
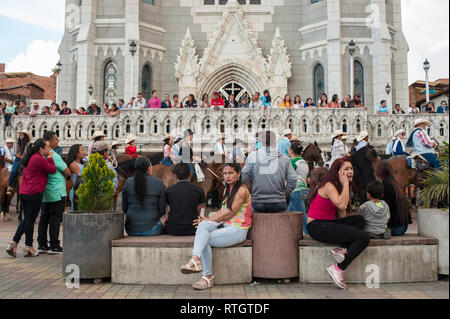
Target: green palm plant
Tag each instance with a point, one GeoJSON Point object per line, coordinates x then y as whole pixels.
{"type": "Point", "coordinates": [436, 190]}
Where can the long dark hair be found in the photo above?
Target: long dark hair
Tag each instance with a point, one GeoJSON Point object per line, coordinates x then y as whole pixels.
{"type": "Point", "coordinates": [384, 171]}
{"type": "Point", "coordinates": [297, 148]}
{"type": "Point", "coordinates": [32, 149]}
{"type": "Point", "coordinates": [73, 152]}
{"type": "Point", "coordinates": [23, 143]}
{"type": "Point", "coordinates": [140, 187]}
{"type": "Point", "coordinates": [230, 193]}
{"type": "Point", "coordinates": [332, 176]}
{"type": "Point", "coordinates": [268, 98]}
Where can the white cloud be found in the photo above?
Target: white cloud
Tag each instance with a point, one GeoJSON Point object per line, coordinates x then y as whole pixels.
{"type": "Point", "coordinates": [426, 27]}
{"type": "Point", "coordinates": [40, 58]}
{"type": "Point", "coordinates": [48, 14]}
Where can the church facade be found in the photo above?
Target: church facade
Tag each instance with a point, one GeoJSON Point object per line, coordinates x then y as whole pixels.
{"type": "Point", "coordinates": [195, 47]}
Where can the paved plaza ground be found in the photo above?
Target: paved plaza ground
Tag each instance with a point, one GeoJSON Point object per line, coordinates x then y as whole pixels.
{"type": "Point", "coordinates": [41, 278]}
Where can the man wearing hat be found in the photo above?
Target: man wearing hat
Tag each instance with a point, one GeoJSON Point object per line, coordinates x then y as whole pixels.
{"type": "Point", "coordinates": [96, 137]}
{"type": "Point", "coordinates": [217, 102]}
{"type": "Point", "coordinates": [115, 145]}
{"type": "Point", "coordinates": [220, 148]}
{"type": "Point", "coordinates": [7, 153]}
{"type": "Point", "coordinates": [284, 144]}
{"type": "Point", "coordinates": [338, 149]}
{"type": "Point", "coordinates": [363, 140]}
{"type": "Point", "coordinates": [35, 110]}
{"type": "Point", "coordinates": [93, 109]}
{"type": "Point", "coordinates": [187, 155]}
{"type": "Point", "coordinates": [422, 144]}
{"type": "Point", "coordinates": [396, 147]}
{"type": "Point", "coordinates": [103, 149]}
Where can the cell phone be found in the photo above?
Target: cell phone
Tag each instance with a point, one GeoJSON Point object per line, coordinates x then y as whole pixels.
{"type": "Point", "coordinates": [220, 226]}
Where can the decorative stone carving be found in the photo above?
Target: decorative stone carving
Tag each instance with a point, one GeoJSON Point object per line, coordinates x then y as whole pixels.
{"type": "Point", "coordinates": [278, 66]}
{"type": "Point", "coordinates": [187, 68]}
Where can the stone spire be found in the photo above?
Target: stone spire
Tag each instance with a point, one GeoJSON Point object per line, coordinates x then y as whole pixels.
{"type": "Point", "coordinates": [278, 60]}
{"type": "Point", "coordinates": [187, 60]}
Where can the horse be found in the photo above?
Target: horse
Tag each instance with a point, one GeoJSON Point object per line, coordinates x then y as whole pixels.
{"type": "Point", "coordinates": [312, 154]}
{"type": "Point", "coordinates": [5, 200]}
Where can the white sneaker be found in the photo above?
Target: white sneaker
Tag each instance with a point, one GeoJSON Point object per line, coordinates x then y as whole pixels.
{"type": "Point", "coordinates": [337, 276]}
{"type": "Point", "coordinates": [339, 254]}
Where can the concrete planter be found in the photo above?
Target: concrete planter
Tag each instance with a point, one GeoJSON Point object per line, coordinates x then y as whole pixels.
{"type": "Point", "coordinates": [87, 242]}
{"type": "Point", "coordinates": [434, 223]}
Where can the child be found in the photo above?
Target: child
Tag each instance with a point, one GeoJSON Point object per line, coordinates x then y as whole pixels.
{"type": "Point", "coordinates": [376, 212]}
{"type": "Point", "coordinates": [131, 148]}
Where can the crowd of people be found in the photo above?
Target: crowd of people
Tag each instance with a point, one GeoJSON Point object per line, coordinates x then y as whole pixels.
{"type": "Point", "coordinates": [216, 102]}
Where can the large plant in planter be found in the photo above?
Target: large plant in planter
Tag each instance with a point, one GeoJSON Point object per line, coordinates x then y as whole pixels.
{"type": "Point", "coordinates": [88, 232]}
{"type": "Point", "coordinates": [433, 218]}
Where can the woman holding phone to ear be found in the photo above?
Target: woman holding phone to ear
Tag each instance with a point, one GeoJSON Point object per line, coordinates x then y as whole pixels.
{"type": "Point", "coordinates": [328, 221]}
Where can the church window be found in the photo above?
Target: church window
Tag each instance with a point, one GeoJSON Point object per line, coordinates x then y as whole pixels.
{"type": "Point", "coordinates": [358, 71]}
{"type": "Point", "coordinates": [319, 81]}
{"type": "Point", "coordinates": [152, 2]}
{"type": "Point", "coordinates": [110, 83]}
{"type": "Point", "coordinates": [147, 82]}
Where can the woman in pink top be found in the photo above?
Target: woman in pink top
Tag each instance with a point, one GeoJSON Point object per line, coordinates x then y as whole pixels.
{"type": "Point", "coordinates": [169, 152]}
{"type": "Point", "coordinates": [34, 180]}
{"type": "Point", "coordinates": [155, 102]}
{"type": "Point", "coordinates": [330, 200]}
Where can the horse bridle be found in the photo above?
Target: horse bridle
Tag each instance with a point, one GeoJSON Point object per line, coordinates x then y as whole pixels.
{"type": "Point", "coordinates": [216, 176]}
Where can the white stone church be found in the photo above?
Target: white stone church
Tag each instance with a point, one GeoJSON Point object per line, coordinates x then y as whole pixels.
{"type": "Point", "coordinates": [233, 46]}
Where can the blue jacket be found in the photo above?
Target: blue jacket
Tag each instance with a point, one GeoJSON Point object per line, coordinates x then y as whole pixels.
{"type": "Point", "coordinates": [284, 145]}
{"type": "Point", "coordinates": [397, 148]}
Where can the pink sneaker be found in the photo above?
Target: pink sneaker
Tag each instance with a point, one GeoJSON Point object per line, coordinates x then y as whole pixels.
{"type": "Point", "coordinates": [339, 254]}
{"type": "Point", "coordinates": [337, 276]}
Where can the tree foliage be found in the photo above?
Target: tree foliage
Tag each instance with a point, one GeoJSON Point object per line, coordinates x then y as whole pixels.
{"type": "Point", "coordinates": [436, 190]}
{"type": "Point", "coordinates": [97, 190]}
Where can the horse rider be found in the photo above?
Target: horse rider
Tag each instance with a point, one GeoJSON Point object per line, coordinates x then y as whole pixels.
{"type": "Point", "coordinates": [103, 149]}
{"type": "Point", "coordinates": [396, 147]}
{"type": "Point", "coordinates": [114, 147]}
{"type": "Point", "coordinates": [187, 155]}
{"type": "Point", "coordinates": [422, 143]}
{"type": "Point", "coordinates": [8, 154]}
{"type": "Point", "coordinates": [363, 140]}
{"type": "Point", "coordinates": [338, 148]}
{"type": "Point", "coordinates": [96, 137]}
{"type": "Point", "coordinates": [284, 144]}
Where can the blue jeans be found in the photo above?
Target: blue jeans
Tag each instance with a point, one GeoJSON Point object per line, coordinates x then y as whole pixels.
{"type": "Point", "coordinates": [269, 207]}
{"type": "Point", "coordinates": [433, 160]}
{"type": "Point", "coordinates": [156, 231]}
{"type": "Point", "coordinates": [208, 236]}
{"type": "Point", "coordinates": [399, 231]}
{"type": "Point", "coordinates": [14, 172]}
{"type": "Point", "coordinates": [297, 204]}
{"type": "Point", "coordinates": [167, 161]}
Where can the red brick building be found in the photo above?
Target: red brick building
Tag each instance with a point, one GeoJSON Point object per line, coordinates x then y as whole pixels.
{"type": "Point", "coordinates": [27, 84]}
{"type": "Point", "coordinates": [417, 91]}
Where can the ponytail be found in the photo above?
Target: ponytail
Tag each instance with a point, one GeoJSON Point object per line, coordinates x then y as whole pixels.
{"type": "Point", "coordinates": [32, 149]}
{"type": "Point", "coordinates": [140, 186]}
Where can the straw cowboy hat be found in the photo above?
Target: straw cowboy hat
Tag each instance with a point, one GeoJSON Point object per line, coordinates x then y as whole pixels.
{"type": "Point", "coordinates": [100, 147]}
{"type": "Point", "coordinates": [9, 140]}
{"type": "Point", "coordinates": [422, 121]}
{"type": "Point", "coordinates": [97, 134]}
{"type": "Point", "coordinates": [287, 132]}
{"type": "Point", "coordinates": [116, 143]}
{"type": "Point", "coordinates": [345, 137]}
{"type": "Point", "coordinates": [130, 138]}
{"type": "Point", "coordinates": [362, 136]}
{"type": "Point", "coordinates": [338, 133]}
{"type": "Point", "coordinates": [26, 133]}
{"type": "Point", "coordinates": [35, 103]}
{"type": "Point", "coordinates": [93, 102]}
{"type": "Point", "coordinates": [295, 138]}
{"type": "Point", "coordinates": [399, 132]}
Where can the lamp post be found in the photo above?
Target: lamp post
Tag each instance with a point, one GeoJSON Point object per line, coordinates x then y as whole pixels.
{"type": "Point", "coordinates": [57, 70]}
{"type": "Point", "coordinates": [90, 91]}
{"type": "Point", "coordinates": [388, 89]}
{"type": "Point", "coordinates": [133, 50]}
{"type": "Point", "coordinates": [351, 49]}
{"type": "Point", "coordinates": [426, 67]}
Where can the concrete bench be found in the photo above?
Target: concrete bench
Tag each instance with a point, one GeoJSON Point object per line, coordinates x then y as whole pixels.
{"type": "Point", "coordinates": [157, 260]}
{"type": "Point", "coordinates": [409, 258]}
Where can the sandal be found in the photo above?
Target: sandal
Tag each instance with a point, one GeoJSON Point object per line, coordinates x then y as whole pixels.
{"type": "Point", "coordinates": [188, 269]}
{"type": "Point", "coordinates": [28, 253]}
{"type": "Point", "coordinates": [11, 249]}
{"type": "Point", "coordinates": [204, 283]}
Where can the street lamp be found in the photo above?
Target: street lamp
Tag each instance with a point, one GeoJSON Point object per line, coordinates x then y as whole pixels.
{"type": "Point", "coordinates": [426, 67]}
{"type": "Point", "coordinates": [133, 50]}
{"type": "Point", "coordinates": [351, 49]}
{"type": "Point", "coordinates": [90, 90]}
{"type": "Point", "coordinates": [57, 70]}
{"type": "Point", "coordinates": [388, 89]}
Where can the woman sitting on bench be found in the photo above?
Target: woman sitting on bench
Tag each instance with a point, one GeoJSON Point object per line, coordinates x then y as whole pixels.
{"type": "Point", "coordinates": [332, 198]}
{"type": "Point", "coordinates": [228, 227]}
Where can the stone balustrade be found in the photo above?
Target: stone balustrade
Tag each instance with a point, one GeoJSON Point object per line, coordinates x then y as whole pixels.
{"type": "Point", "coordinates": [151, 126]}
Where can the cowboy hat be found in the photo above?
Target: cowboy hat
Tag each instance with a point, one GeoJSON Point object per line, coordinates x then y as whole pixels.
{"type": "Point", "coordinates": [345, 137]}
{"type": "Point", "coordinates": [97, 134]}
{"type": "Point", "coordinates": [188, 132]}
{"type": "Point", "coordinates": [338, 133]}
{"type": "Point", "coordinates": [399, 132]}
{"type": "Point", "coordinates": [167, 138]}
{"type": "Point", "coordinates": [287, 132]}
{"type": "Point", "coordinates": [9, 140]}
{"type": "Point", "coordinates": [93, 102]}
{"type": "Point", "coordinates": [362, 136]}
{"type": "Point", "coordinates": [295, 138]}
{"type": "Point", "coordinates": [100, 146]}
{"type": "Point", "coordinates": [130, 138]}
{"type": "Point", "coordinates": [422, 121]}
{"type": "Point", "coordinates": [26, 133]}
{"type": "Point", "coordinates": [116, 143]}
{"type": "Point", "coordinates": [35, 103]}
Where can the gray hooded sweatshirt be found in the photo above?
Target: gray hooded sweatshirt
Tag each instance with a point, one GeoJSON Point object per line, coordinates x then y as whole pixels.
{"type": "Point", "coordinates": [271, 174]}
{"type": "Point", "coordinates": [376, 215]}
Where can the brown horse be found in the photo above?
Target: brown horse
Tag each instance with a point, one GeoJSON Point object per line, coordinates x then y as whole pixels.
{"type": "Point", "coordinates": [313, 155]}
{"type": "Point", "coordinates": [403, 174]}
{"type": "Point", "coordinates": [5, 200]}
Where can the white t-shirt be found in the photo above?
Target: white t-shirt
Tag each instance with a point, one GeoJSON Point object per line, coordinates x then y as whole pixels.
{"type": "Point", "coordinates": [138, 104]}
{"type": "Point", "coordinates": [7, 153]}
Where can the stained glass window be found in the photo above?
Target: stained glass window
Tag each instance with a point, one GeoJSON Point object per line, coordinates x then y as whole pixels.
{"type": "Point", "coordinates": [147, 82]}
{"type": "Point", "coordinates": [358, 71]}
{"type": "Point", "coordinates": [319, 82]}
{"type": "Point", "coordinates": [110, 83]}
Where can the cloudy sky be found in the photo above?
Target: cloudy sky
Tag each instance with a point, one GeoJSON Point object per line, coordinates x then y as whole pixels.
{"type": "Point", "coordinates": [30, 32]}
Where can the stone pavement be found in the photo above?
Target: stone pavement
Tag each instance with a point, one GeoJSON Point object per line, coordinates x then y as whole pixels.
{"type": "Point", "coordinates": [41, 278]}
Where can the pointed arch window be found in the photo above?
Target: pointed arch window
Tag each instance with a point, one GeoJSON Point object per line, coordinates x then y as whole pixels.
{"type": "Point", "coordinates": [319, 81]}
{"type": "Point", "coordinates": [146, 82]}
{"type": "Point", "coordinates": [110, 83]}
{"type": "Point", "coordinates": [358, 71]}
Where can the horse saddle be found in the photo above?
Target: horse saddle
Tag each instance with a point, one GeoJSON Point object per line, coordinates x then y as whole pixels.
{"type": "Point", "coordinates": [418, 162]}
